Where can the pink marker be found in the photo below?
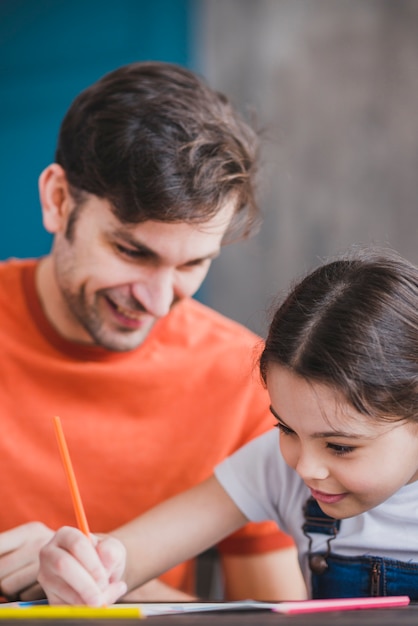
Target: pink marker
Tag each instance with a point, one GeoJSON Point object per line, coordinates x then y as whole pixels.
{"type": "Point", "coordinates": [340, 604]}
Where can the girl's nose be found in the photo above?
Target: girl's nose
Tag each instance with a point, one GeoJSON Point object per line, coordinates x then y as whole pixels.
{"type": "Point", "coordinates": [310, 466]}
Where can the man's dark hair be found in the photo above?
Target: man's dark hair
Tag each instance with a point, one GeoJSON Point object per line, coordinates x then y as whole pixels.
{"type": "Point", "coordinates": [159, 144]}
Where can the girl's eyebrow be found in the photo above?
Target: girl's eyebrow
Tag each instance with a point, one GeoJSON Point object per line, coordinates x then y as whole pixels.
{"type": "Point", "coordinates": [277, 416]}
{"type": "Point", "coordinates": [274, 413]}
{"type": "Point", "coordinates": [321, 435]}
{"type": "Point", "coordinates": [337, 433]}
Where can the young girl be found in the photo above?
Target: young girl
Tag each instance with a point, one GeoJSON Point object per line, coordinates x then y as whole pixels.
{"type": "Point", "coordinates": [340, 474]}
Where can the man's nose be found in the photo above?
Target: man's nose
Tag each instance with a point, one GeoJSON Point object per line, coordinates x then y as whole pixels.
{"type": "Point", "coordinates": [156, 294]}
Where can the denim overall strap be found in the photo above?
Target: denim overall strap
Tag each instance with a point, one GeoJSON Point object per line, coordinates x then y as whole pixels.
{"type": "Point", "coordinates": [316, 521]}
{"type": "Point", "coordinates": [336, 576]}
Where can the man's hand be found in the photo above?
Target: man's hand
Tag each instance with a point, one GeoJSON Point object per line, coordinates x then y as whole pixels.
{"type": "Point", "coordinates": [75, 569]}
{"type": "Point", "coordinates": [19, 560]}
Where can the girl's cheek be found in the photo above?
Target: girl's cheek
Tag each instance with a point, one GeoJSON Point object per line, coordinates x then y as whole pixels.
{"type": "Point", "coordinates": [289, 450]}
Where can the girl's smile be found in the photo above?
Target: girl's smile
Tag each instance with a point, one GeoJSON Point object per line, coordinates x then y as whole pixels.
{"type": "Point", "coordinates": [351, 462]}
{"type": "Point", "coordinates": [327, 498]}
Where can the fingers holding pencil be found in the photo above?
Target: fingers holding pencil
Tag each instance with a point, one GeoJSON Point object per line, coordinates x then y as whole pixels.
{"type": "Point", "coordinates": [72, 570]}
{"type": "Point", "coordinates": [112, 554]}
{"type": "Point", "coordinates": [75, 566]}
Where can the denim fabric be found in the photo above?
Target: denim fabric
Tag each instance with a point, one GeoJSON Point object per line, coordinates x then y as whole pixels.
{"type": "Point", "coordinates": [336, 576]}
{"type": "Point", "coordinates": [347, 577]}
{"type": "Point", "coordinates": [316, 521]}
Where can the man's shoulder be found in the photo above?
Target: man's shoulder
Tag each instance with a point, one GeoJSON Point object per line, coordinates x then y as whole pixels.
{"type": "Point", "coordinates": [205, 322]}
{"type": "Point", "coordinates": [11, 271]}
{"type": "Point", "coordinates": [13, 266]}
{"type": "Point", "coordinates": [14, 304]}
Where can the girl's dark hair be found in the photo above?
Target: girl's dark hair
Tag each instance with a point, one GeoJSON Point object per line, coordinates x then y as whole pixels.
{"type": "Point", "coordinates": [159, 144]}
{"type": "Point", "coordinates": [352, 324]}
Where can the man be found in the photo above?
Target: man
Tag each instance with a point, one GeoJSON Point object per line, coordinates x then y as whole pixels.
{"type": "Point", "coordinates": [153, 173]}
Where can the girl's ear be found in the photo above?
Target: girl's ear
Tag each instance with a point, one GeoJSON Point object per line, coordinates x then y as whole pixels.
{"type": "Point", "coordinates": [55, 198]}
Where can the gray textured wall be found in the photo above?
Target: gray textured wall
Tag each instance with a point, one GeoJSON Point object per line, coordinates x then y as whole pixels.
{"type": "Point", "coordinates": [335, 84]}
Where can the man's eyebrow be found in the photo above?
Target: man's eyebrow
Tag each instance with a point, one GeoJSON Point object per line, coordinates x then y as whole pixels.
{"type": "Point", "coordinates": [134, 243]}
{"type": "Point", "coordinates": [143, 248]}
{"type": "Point", "coordinates": [321, 435]}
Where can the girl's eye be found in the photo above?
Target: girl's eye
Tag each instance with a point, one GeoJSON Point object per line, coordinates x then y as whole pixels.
{"type": "Point", "coordinates": [283, 429]}
{"type": "Point", "coordinates": [340, 450]}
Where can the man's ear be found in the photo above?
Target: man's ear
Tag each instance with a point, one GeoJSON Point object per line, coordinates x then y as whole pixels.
{"type": "Point", "coordinates": [55, 197]}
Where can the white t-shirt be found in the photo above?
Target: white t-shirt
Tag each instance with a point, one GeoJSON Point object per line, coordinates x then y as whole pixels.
{"type": "Point", "coordinates": [264, 487]}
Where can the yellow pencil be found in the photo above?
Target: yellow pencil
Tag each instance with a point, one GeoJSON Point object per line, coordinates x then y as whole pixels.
{"type": "Point", "coordinates": [73, 612]}
{"type": "Point", "coordinates": [68, 467]}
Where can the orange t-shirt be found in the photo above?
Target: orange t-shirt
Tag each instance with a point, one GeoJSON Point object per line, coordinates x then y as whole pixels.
{"type": "Point", "coordinates": [141, 426]}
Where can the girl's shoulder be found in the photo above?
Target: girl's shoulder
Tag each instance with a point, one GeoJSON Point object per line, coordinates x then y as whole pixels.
{"type": "Point", "coordinates": [262, 484]}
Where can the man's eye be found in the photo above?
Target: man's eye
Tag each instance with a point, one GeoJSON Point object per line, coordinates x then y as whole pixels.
{"type": "Point", "coordinates": [340, 450]}
{"type": "Point", "coordinates": [196, 263]}
{"type": "Point", "coordinates": [283, 429]}
{"type": "Point", "coordinates": [130, 252]}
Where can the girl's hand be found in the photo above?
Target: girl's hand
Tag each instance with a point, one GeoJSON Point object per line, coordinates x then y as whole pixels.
{"type": "Point", "coordinates": [75, 569]}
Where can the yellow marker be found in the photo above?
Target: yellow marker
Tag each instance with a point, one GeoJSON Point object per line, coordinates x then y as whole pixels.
{"type": "Point", "coordinates": [71, 612]}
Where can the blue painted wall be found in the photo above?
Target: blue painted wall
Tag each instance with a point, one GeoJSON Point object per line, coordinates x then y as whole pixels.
{"type": "Point", "coordinates": [49, 51]}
